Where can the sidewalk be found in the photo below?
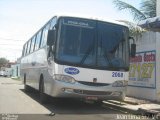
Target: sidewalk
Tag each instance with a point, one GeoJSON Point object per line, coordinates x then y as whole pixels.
{"type": "Point", "coordinates": [136, 106]}
{"type": "Point", "coordinates": [8, 80]}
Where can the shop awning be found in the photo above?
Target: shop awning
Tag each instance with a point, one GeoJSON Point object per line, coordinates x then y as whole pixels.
{"type": "Point", "coordinates": [151, 24]}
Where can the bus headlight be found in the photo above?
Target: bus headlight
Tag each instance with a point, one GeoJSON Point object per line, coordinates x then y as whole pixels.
{"type": "Point", "coordinates": [64, 78]}
{"type": "Point", "coordinates": [120, 83]}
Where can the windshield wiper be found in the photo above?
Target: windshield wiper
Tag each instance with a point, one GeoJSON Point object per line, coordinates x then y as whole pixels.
{"type": "Point", "coordinates": [105, 54]}
{"type": "Point", "coordinates": [87, 53]}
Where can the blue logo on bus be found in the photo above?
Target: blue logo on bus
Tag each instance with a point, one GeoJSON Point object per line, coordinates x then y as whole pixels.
{"type": "Point", "coordinates": [72, 71]}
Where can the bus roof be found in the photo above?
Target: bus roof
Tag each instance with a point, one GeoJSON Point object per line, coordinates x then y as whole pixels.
{"type": "Point", "coordinates": [82, 17]}
{"type": "Point", "coordinates": [94, 18]}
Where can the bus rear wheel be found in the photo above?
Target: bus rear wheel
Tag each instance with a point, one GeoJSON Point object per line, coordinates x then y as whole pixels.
{"type": "Point", "coordinates": [43, 96]}
{"type": "Point", "coordinates": [26, 87]}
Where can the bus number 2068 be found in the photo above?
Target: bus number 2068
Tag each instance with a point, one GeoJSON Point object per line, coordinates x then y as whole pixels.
{"type": "Point", "coordinates": [117, 74]}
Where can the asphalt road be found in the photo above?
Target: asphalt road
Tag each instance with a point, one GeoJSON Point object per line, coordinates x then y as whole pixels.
{"type": "Point", "coordinates": [19, 105]}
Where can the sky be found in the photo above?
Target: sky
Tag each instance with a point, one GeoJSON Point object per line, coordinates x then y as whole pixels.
{"type": "Point", "coordinates": [20, 19]}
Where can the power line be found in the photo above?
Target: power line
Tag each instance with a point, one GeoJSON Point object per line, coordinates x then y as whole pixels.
{"type": "Point", "coordinates": [11, 39]}
{"type": "Point", "coordinates": [11, 44]}
{"type": "Point", "coordinates": [6, 49]}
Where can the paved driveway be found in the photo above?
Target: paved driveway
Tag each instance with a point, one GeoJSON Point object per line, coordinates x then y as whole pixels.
{"type": "Point", "coordinates": [14, 101]}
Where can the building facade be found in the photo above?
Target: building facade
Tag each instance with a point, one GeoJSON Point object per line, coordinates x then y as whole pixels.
{"type": "Point", "coordinates": [143, 82]}
{"type": "Point", "coordinates": [158, 7]}
{"type": "Point", "coordinates": [144, 79]}
{"type": "Point", "coordinates": [15, 70]}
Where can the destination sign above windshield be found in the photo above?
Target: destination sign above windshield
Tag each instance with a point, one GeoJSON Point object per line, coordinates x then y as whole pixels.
{"type": "Point", "coordinates": [79, 22]}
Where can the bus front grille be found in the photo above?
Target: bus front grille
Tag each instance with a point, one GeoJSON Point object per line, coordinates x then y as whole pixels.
{"type": "Point", "coordinates": [93, 84]}
{"type": "Point", "coordinates": [87, 92]}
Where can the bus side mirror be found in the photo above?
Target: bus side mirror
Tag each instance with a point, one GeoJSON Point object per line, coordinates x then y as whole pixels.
{"type": "Point", "coordinates": [133, 50]}
{"type": "Point", "coordinates": [133, 47]}
{"type": "Point", "coordinates": [51, 37]}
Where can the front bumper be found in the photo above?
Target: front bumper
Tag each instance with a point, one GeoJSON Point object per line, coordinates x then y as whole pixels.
{"type": "Point", "coordinates": [81, 91]}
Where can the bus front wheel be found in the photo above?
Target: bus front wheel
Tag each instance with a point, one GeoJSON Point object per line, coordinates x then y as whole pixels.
{"type": "Point", "coordinates": [98, 102]}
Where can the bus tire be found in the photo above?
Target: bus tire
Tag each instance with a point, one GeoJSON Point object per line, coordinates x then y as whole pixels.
{"type": "Point", "coordinates": [122, 98]}
{"type": "Point", "coordinates": [43, 96]}
{"type": "Point", "coordinates": [26, 87]}
{"type": "Point", "coordinates": [98, 102]}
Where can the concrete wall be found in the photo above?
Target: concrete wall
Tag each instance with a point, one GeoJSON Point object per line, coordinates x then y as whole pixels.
{"type": "Point", "coordinates": [140, 87]}
{"type": "Point", "coordinates": [158, 7]}
{"type": "Point", "coordinates": [143, 82]}
{"type": "Point", "coordinates": [15, 70]}
{"type": "Point", "coordinates": [8, 72]}
{"type": "Point", "coordinates": [158, 66]}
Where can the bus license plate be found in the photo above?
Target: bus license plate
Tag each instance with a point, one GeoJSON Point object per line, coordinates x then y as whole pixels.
{"type": "Point", "coordinates": [91, 98]}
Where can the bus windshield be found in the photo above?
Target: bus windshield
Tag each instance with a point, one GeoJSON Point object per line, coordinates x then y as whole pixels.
{"type": "Point", "coordinates": [94, 44]}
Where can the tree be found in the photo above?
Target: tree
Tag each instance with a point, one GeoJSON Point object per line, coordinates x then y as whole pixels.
{"type": "Point", "coordinates": [134, 30]}
{"type": "Point", "coordinates": [3, 62]}
{"type": "Point", "coordinates": [147, 9]}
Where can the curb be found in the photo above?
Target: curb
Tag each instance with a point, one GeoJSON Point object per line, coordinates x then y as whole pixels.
{"type": "Point", "coordinates": [152, 113]}
{"type": "Point", "coordinates": [140, 111]}
{"type": "Point", "coordinates": [132, 111]}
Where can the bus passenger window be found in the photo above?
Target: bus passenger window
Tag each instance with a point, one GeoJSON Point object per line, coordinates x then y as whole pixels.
{"type": "Point", "coordinates": [38, 40]}
{"type": "Point", "coordinates": [33, 44]}
{"type": "Point", "coordinates": [29, 44]}
{"type": "Point", "coordinates": [24, 50]}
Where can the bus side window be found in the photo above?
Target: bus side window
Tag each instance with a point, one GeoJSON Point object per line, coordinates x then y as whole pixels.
{"type": "Point", "coordinates": [32, 44]}
{"type": "Point", "coordinates": [26, 48]}
{"type": "Point", "coordinates": [29, 44]}
{"type": "Point", "coordinates": [38, 40]}
{"type": "Point", "coordinates": [23, 50]}
{"type": "Point", "coordinates": [44, 35]}
{"type": "Point", "coordinates": [53, 22]}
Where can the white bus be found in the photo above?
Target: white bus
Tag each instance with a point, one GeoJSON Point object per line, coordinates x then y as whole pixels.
{"type": "Point", "coordinates": [71, 57]}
